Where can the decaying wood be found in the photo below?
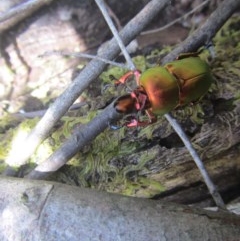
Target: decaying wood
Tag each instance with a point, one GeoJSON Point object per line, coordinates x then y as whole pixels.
{"type": "Point", "coordinates": [38, 210]}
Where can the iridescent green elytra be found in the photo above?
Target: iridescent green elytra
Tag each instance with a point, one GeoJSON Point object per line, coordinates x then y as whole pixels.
{"type": "Point", "coordinates": [176, 83]}
{"type": "Point", "coordinates": [163, 88]}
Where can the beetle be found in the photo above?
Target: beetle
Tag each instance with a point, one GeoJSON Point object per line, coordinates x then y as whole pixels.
{"type": "Point", "coordinates": [163, 88]}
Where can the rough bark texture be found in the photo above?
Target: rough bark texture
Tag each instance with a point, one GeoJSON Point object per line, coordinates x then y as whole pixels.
{"type": "Point", "coordinates": [56, 212]}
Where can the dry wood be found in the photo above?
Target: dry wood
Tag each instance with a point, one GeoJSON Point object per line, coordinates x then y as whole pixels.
{"type": "Point", "coordinates": [18, 12]}
{"type": "Point", "coordinates": [38, 210]}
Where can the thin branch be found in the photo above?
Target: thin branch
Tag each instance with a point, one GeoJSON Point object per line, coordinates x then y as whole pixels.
{"type": "Point", "coordinates": [204, 34]}
{"type": "Point", "coordinates": [19, 12]}
{"type": "Point", "coordinates": [114, 31]}
{"type": "Point", "coordinates": [211, 186]}
{"type": "Point", "coordinates": [88, 74]}
{"type": "Point", "coordinates": [212, 189]}
{"type": "Point", "coordinates": [83, 55]}
{"type": "Point", "coordinates": [18, 9]}
{"type": "Point", "coordinates": [176, 20]}
{"type": "Point", "coordinates": [81, 136]}
{"type": "Point", "coordinates": [40, 113]}
{"type": "Point", "coordinates": [114, 17]}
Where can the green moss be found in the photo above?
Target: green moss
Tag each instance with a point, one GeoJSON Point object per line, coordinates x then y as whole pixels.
{"type": "Point", "coordinates": [227, 70]}
{"type": "Point", "coordinates": [142, 187]}
{"type": "Point", "coordinates": [12, 132]}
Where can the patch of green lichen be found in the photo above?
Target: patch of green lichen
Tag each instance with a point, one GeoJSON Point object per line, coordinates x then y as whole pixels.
{"type": "Point", "coordinates": [106, 164]}
{"type": "Point", "coordinates": [15, 133]}
{"type": "Point", "coordinates": [7, 134]}
{"type": "Point", "coordinates": [12, 134]}
{"type": "Point", "coordinates": [141, 187]}
{"type": "Point", "coordinates": [155, 56]}
{"type": "Point", "coordinates": [227, 62]}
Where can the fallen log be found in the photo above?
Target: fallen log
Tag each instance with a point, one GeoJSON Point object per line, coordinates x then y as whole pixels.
{"type": "Point", "coordinates": [40, 210]}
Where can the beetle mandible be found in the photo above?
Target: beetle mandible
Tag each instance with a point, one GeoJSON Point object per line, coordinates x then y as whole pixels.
{"type": "Point", "coordinates": [163, 88]}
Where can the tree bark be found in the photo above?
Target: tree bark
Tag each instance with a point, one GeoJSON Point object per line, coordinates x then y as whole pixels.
{"type": "Point", "coordinates": [39, 210]}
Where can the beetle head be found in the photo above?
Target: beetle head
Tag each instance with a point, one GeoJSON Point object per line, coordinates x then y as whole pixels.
{"type": "Point", "coordinates": [136, 101]}
{"type": "Point", "coordinates": [125, 104]}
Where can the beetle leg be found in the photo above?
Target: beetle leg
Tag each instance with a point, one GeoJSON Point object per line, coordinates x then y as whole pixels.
{"type": "Point", "coordinates": [151, 116]}
{"type": "Point", "coordinates": [187, 55]}
{"type": "Point", "coordinates": [124, 78]}
{"type": "Point", "coordinates": [135, 122]}
{"type": "Point", "coordinates": [128, 121]}
{"type": "Point", "coordinates": [137, 74]}
{"type": "Point", "coordinates": [140, 104]}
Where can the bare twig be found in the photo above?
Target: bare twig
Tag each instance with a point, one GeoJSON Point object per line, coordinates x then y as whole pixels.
{"type": "Point", "coordinates": [114, 17]}
{"type": "Point", "coordinates": [40, 113]}
{"type": "Point", "coordinates": [19, 12]}
{"type": "Point", "coordinates": [204, 34]}
{"type": "Point", "coordinates": [211, 186]}
{"type": "Point", "coordinates": [176, 20]}
{"type": "Point", "coordinates": [114, 31]}
{"type": "Point", "coordinates": [88, 74]}
{"type": "Point", "coordinates": [212, 189]}
{"type": "Point", "coordinates": [83, 55]}
{"type": "Point", "coordinates": [18, 9]}
{"type": "Point", "coordinates": [82, 136]}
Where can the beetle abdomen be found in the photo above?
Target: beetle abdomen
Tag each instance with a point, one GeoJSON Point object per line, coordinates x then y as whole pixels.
{"type": "Point", "coordinates": [194, 78]}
